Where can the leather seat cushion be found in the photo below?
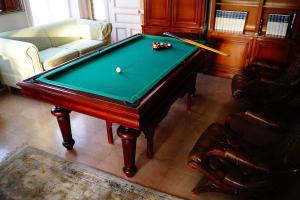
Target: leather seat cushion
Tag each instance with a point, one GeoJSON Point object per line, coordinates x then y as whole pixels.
{"type": "Point", "coordinates": [254, 132]}
{"type": "Point", "coordinates": [238, 85]}
{"type": "Point", "coordinates": [83, 45]}
{"type": "Point", "coordinates": [205, 141]}
{"type": "Point", "coordinates": [235, 178]}
{"type": "Point", "coordinates": [53, 57]}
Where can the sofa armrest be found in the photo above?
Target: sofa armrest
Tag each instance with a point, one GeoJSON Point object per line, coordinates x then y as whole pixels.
{"type": "Point", "coordinates": [19, 60]}
{"type": "Point", "coordinates": [96, 30]}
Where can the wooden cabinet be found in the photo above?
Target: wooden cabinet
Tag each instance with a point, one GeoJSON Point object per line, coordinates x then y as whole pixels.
{"type": "Point", "coordinates": [187, 13]}
{"type": "Point", "coordinates": [237, 46]}
{"type": "Point", "coordinates": [1, 6]}
{"type": "Point", "coordinates": [272, 50]}
{"type": "Point", "coordinates": [158, 12]}
{"type": "Point", "coordinates": [10, 6]}
{"type": "Point", "coordinates": [180, 16]}
{"type": "Point", "coordinates": [252, 44]}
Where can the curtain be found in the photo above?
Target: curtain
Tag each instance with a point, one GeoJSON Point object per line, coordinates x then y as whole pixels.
{"type": "Point", "coordinates": [86, 9]}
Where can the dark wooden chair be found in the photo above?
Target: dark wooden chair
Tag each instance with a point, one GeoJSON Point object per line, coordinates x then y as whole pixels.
{"type": "Point", "coordinates": [265, 84]}
{"type": "Point", "coordinates": [249, 153]}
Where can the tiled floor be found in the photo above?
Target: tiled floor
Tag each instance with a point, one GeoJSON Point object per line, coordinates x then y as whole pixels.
{"type": "Point", "coordinates": [26, 121]}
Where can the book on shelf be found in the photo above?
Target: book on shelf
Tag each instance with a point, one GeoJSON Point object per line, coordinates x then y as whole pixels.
{"type": "Point", "coordinates": [278, 25]}
{"type": "Point", "coordinates": [230, 21]}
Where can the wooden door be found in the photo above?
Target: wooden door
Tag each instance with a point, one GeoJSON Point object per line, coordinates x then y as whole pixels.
{"type": "Point", "coordinates": [187, 14]}
{"type": "Point", "coordinates": [126, 18]}
{"type": "Point", "coordinates": [158, 12]}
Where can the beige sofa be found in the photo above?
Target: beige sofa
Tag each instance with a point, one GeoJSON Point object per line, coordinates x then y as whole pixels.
{"type": "Point", "coordinates": [29, 51]}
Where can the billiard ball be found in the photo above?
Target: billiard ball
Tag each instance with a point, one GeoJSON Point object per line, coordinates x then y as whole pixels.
{"type": "Point", "coordinates": [118, 69]}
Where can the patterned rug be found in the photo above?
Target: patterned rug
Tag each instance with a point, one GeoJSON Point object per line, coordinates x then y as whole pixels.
{"type": "Point", "coordinates": [34, 174]}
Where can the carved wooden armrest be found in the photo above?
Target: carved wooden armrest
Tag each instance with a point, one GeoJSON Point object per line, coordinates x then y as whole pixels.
{"type": "Point", "coordinates": [266, 65]}
{"type": "Point", "coordinates": [263, 119]}
{"type": "Point", "coordinates": [239, 159]}
{"type": "Point", "coordinates": [273, 83]}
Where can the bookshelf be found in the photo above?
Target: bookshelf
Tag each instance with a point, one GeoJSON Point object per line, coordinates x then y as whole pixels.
{"type": "Point", "coordinates": [252, 44]}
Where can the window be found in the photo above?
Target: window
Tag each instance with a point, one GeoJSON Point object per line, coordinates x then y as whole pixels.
{"type": "Point", "coordinates": [100, 10]}
{"type": "Point", "coordinates": [47, 11]}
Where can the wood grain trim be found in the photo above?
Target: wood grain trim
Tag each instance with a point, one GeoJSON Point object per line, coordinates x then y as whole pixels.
{"type": "Point", "coordinates": [259, 15]}
{"type": "Point", "coordinates": [212, 16]}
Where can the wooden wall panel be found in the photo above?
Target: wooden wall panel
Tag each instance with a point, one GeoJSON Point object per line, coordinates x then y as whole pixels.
{"type": "Point", "coordinates": [282, 3]}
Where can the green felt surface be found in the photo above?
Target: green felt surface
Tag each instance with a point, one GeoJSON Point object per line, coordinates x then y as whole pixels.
{"type": "Point", "coordinates": [142, 68]}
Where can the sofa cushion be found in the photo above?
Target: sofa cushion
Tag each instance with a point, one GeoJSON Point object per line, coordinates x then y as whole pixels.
{"type": "Point", "coordinates": [61, 33]}
{"type": "Point", "coordinates": [34, 35]}
{"type": "Point", "coordinates": [53, 57]}
{"type": "Point", "coordinates": [83, 45]}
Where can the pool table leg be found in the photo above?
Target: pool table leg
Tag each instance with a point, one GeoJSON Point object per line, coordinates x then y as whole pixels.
{"type": "Point", "coordinates": [109, 132]}
{"type": "Point", "coordinates": [149, 132]}
{"type": "Point", "coordinates": [188, 102]}
{"type": "Point", "coordinates": [63, 119]}
{"type": "Point", "coordinates": [191, 91]}
{"type": "Point", "coordinates": [128, 137]}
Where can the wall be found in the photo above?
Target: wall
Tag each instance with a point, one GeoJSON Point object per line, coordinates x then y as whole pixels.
{"type": "Point", "coordinates": [13, 21]}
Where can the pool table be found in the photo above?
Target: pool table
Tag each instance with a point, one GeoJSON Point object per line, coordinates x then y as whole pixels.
{"type": "Point", "coordinates": [127, 83]}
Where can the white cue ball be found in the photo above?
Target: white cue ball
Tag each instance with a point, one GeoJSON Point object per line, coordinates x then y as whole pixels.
{"type": "Point", "coordinates": [118, 69]}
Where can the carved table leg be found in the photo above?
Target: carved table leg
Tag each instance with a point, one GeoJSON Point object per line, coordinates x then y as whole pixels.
{"type": "Point", "coordinates": [63, 119]}
{"type": "Point", "coordinates": [149, 132]}
{"type": "Point", "coordinates": [109, 132]}
{"type": "Point", "coordinates": [188, 101]}
{"type": "Point", "coordinates": [128, 137]}
{"type": "Point", "coordinates": [191, 91]}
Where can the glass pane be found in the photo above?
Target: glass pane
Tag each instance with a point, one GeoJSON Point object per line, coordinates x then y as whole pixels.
{"type": "Point", "coordinates": [47, 11]}
{"type": "Point", "coordinates": [100, 9]}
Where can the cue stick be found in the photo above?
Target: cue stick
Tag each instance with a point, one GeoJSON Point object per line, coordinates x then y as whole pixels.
{"type": "Point", "coordinates": [195, 43]}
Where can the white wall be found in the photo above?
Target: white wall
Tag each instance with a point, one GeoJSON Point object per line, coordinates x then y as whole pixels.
{"type": "Point", "coordinates": [13, 21]}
